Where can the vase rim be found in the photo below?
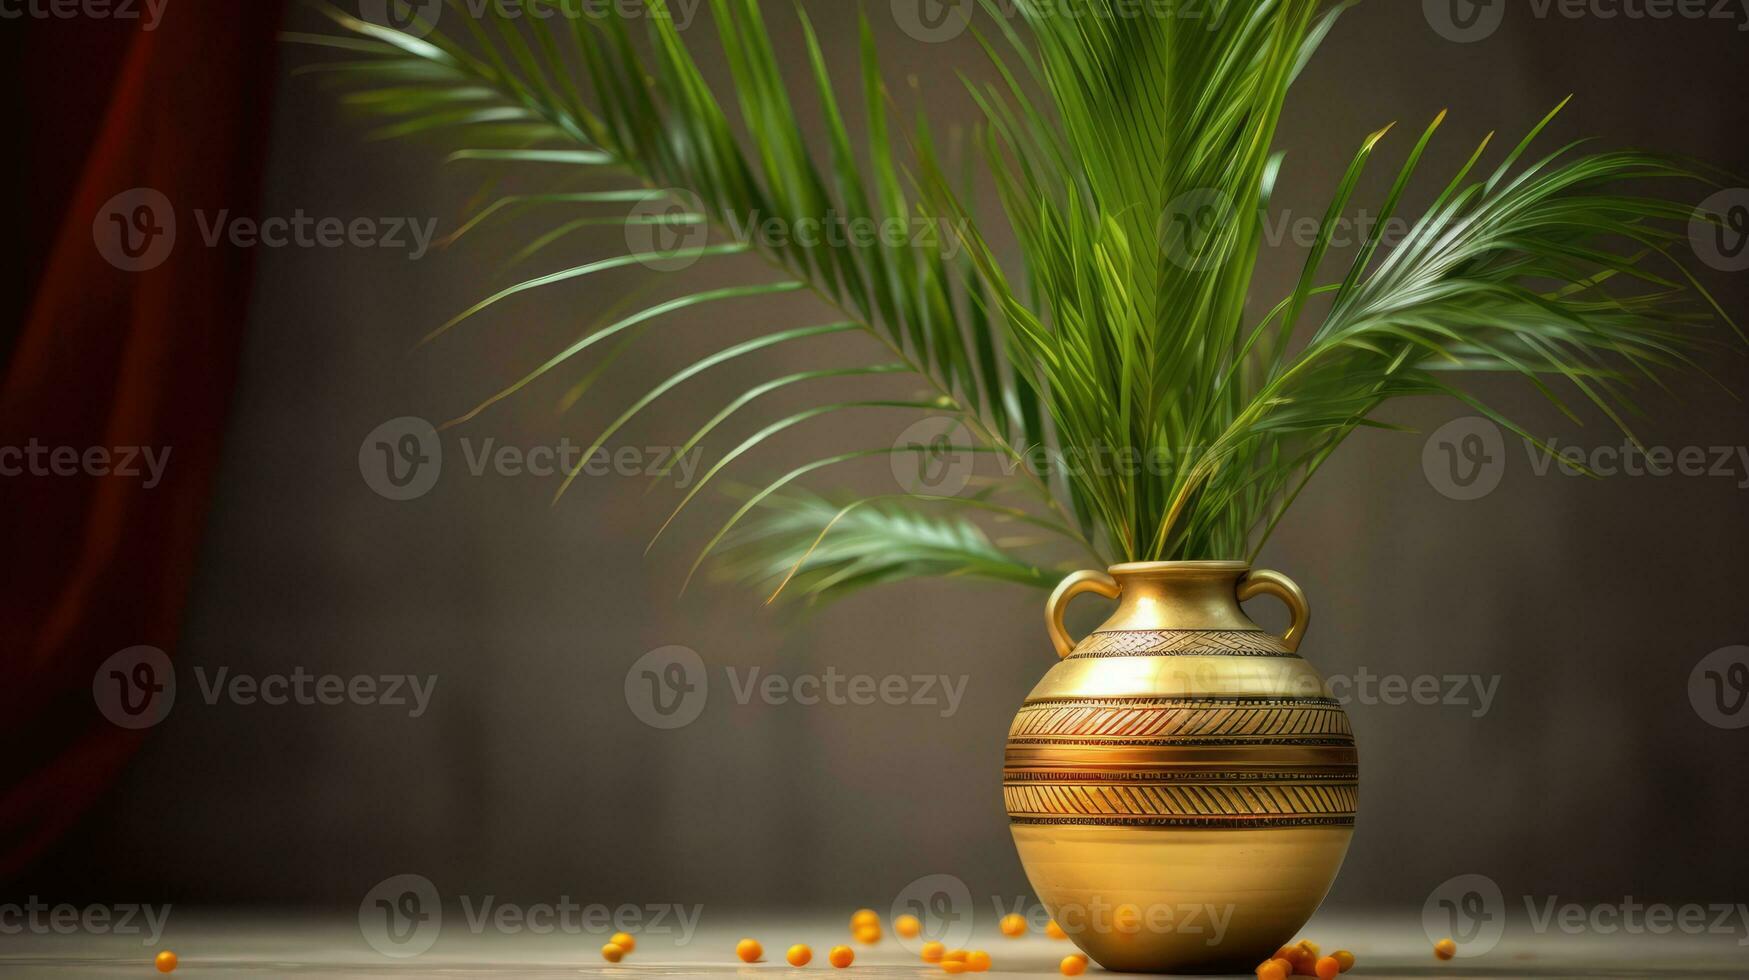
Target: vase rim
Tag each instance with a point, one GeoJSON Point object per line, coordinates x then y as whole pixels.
{"type": "Point", "coordinates": [1151, 567]}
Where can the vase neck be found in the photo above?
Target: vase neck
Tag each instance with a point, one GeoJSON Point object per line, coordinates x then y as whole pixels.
{"type": "Point", "coordinates": [1179, 595]}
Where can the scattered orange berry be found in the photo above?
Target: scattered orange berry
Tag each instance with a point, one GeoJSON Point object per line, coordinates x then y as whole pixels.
{"type": "Point", "coordinates": [977, 961]}
{"type": "Point", "coordinates": [613, 952]}
{"type": "Point", "coordinates": [1310, 947]}
{"type": "Point", "coordinates": [1327, 967]}
{"type": "Point", "coordinates": [954, 956]}
{"type": "Point", "coordinates": [1012, 925]}
{"type": "Point", "coordinates": [908, 926]}
{"type": "Point", "coordinates": [1073, 965]}
{"type": "Point", "coordinates": [1344, 959]}
{"type": "Point", "coordinates": [864, 917]}
{"type": "Point", "coordinates": [799, 955]}
{"type": "Point", "coordinates": [1445, 949]}
{"type": "Point", "coordinates": [1055, 931]}
{"type": "Point", "coordinates": [954, 966]}
{"type": "Point", "coordinates": [749, 950]}
{"type": "Point", "coordinates": [840, 956]}
{"type": "Point", "coordinates": [1273, 969]}
{"type": "Point", "coordinates": [165, 961]}
{"type": "Point", "coordinates": [933, 952]}
{"type": "Point", "coordinates": [624, 941]}
{"type": "Point", "coordinates": [868, 934]}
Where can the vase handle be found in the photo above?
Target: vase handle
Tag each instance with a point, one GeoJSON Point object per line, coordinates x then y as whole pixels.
{"type": "Point", "coordinates": [1099, 583]}
{"type": "Point", "coordinates": [1263, 582]}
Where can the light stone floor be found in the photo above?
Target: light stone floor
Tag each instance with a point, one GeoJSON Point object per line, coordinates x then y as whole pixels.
{"type": "Point", "coordinates": [291, 945]}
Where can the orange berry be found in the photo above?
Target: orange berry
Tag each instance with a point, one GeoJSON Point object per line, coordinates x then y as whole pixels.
{"type": "Point", "coordinates": [1344, 959]}
{"type": "Point", "coordinates": [864, 917]}
{"type": "Point", "coordinates": [908, 926]}
{"type": "Point", "coordinates": [977, 961]}
{"type": "Point", "coordinates": [1445, 949]}
{"type": "Point", "coordinates": [954, 966]}
{"type": "Point", "coordinates": [1327, 967]}
{"type": "Point", "coordinates": [1055, 931]}
{"type": "Point", "coordinates": [799, 955]}
{"type": "Point", "coordinates": [749, 950]}
{"type": "Point", "coordinates": [624, 941]}
{"type": "Point", "coordinates": [933, 952]}
{"type": "Point", "coordinates": [1013, 925]}
{"type": "Point", "coordinates": [954, 956]}
{"type": "Point", "coordinates": [1073, 965]}
{"type": "Point", "coordinates": [840, 956]}
{"type": "Point", "coordinates": [164, 961]}
{"type": "Point", "coordinates": [868, 935]}
{"type": "Point", "coordinates": [1310, 947]}
{"type": "Point", "coordinates": [613, 952]}
{"type": "Point", "coordinates": [1273, 969]}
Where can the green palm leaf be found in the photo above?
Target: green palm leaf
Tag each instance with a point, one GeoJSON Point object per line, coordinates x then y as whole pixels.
{"type": "Point", "coordinates": [1134, 158]}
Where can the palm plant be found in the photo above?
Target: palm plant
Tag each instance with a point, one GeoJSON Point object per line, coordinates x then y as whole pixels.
{"type": "Point", "coordinates": [1133, 159]}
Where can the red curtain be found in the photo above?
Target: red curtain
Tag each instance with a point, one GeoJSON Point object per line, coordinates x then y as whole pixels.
{"type": "Point", "coordinates": [117, 359]}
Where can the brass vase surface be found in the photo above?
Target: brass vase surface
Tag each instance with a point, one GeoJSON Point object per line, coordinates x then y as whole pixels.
{"type": "Point", "coordinates": [1181, 787]}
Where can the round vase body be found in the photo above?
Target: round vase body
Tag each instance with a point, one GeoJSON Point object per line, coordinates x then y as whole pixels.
{"type": "Point", "coordinates": [1181, 787]}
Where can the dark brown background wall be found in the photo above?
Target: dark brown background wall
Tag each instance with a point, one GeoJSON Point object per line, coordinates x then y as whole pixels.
{"type": "Point", "coordinates": [1591, 775]}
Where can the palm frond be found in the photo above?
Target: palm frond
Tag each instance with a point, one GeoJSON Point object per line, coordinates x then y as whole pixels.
{"type": "Point", "coordinates": [1134, 158]}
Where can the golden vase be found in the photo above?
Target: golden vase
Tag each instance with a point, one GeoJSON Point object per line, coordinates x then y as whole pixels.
{"type": "Point", "coordinates": [1180, 785]}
